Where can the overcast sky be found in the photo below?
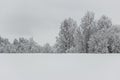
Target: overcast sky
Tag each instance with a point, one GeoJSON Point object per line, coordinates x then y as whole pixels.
{"type": "Point", "coordinates": [41, 19]}
{"type": "Point", "coordinates": [59, 67]}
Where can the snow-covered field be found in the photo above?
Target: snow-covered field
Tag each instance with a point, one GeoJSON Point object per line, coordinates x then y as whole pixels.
{"type": "Point", "coordinates": [59, 67]}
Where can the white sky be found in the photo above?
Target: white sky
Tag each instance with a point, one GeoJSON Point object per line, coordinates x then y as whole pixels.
{"type": "Point", "coordinates": [41, 18]}
{"type": "Point", "coordinates": [59, 67]}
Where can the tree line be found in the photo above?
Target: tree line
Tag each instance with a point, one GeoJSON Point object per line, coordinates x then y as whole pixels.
{"type": "Point", "coordinates": [91, 36]}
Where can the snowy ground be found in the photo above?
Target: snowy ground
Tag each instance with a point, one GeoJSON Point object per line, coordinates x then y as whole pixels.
{"type": "Point", "coordinates": [59, 67]}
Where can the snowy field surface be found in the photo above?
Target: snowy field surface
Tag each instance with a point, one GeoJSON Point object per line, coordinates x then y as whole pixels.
{"type": "Point", "coordinates": [59, 67]}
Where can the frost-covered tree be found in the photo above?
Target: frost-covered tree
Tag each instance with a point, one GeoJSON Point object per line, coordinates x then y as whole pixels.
{"type": "Point", "coordinates": [105, 41]}
{"type": "Point", "coordinates": [88, 25]}
{"type": "Point", "coordinates": [104, 22]}
{"type": "Point", "coordinates": [78, 42]}
{"type": "Point", "coordinates": [115, 46]}
{"type": "Point", "coordinates": [16, 45]}
{"type": "Point", "coordinates": [101, 41]}
{"type": "Point", "coordinates": [5, 45]}
{"type": "Point", "coordinates": [47, 48]}
{"type": "Point", "coordinates": [65, 40]}
{"type": "Point", "coordinates": [26, 46]}
{"type": "Point", "coordinates": [33, 47]}
{"type": "Point", "coordinates": [113, 35]}
{"type": "Point", "coordinates": [23, 45]}
{"type": "Point", "coordinates": [98, 43]}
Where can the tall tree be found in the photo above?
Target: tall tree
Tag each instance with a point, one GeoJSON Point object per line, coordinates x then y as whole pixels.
{"type": "Point", "coordinates": [88, 25]}
{"type": "Point", "coordinates": [65, 40]}
{"type": "Point", "coordinates": [104, 25]}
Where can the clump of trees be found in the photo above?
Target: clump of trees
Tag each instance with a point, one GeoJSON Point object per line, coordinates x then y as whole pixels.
{"type": "Point", "coordinates": [91, 36]}
{"type": "Point", "coordinates": [23, 45]}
